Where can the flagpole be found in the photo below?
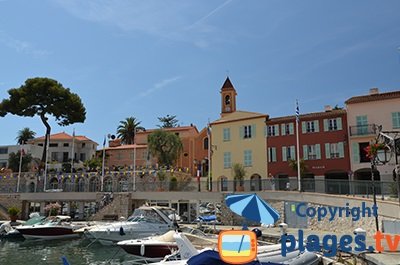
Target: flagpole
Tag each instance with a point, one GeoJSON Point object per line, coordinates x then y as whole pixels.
{"type": "Point", "coordinates": [20, 168]}
{"type": "Point", "coordinates": [102, 167]}
{"type": "Point", "coordinates": [209, 155]}
{"type": "Point", "coordinates": [45, 165]}
{"type": "Point", "coordinates": [73, 151]}
{"type": "Point", "coordinates": [298, 144]}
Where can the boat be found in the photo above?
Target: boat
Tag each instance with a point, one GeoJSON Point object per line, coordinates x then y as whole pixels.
{"type": "Point", "coordinates": [53, 227]}
{"type": "Point", "coordinates": [144, 222]}
{"type": "Point", "coordinates": [10, 232]}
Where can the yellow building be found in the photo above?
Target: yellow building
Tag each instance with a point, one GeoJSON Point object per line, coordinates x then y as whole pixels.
{"type": "Point", "coordinates": [237, 137]}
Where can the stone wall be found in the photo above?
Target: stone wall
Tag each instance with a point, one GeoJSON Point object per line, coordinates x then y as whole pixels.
{"type": "Point", "coordinates": [120, 206]}
{"type": "Point", "coordinates": [7, 201]}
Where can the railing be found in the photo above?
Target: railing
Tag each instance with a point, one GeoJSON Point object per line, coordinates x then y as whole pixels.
{"type": "Point", "coordinates": [123, 183]}
{"type": "Point", "coordinates": [360, 130]}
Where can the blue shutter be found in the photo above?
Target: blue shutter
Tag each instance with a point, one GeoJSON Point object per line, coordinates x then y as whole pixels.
{"type": "Point", "coordinates": [327, 151]}
{"type": "Point", "coordinates": [305, 152]}
{"type": "Point", "coordinates": [339, 123]}
{"type": "Point", "coordinates": [316, 125]}
{"type": "Point", "coordinates": [293, 152]}
{"type": "Point", "coordinates": [276, 130]}
{"type": "Point", "coordinates": [284, 156]}
{"type": "Point", "coordinates": [303, 127]}
{"type": "Point", "coordinates": [253, 131]}
{"type": "Point", "coordinates": [291, 129]}
{"type": "Point", "coordinates": [356, 153]}
{"type": "Point", "coordinates": [283, 129]}
{"type": "Point", "coordinates": [341, 149]}
{"type": "Point", "coordinates": [241, 132]}
{"type": "Point", "coordinates": [326, 125]}
{"type": "Point", "coordinates": [318, 151]}
{"type": "Point", "coordinates": [273, 154]}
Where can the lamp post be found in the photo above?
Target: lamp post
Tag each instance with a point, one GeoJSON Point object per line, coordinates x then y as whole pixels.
{"type": "Point", "coordinates": [373, 167]}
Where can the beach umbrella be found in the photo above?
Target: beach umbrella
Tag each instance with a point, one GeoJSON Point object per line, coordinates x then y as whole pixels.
{"type": "Point", "coordinates": [252, 207]}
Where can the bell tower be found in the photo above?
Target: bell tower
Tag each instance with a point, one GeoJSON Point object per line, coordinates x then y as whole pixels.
{"type": "Point", "coordinates": [228, 98]}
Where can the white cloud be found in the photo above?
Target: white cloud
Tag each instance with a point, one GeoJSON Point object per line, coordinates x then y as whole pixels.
{"type": "Point", "coordinates": [158, 86]}
{"type": "Point", "coordinates": [21, 46]}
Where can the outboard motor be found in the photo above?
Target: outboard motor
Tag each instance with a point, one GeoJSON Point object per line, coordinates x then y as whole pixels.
{"type": "Point", "coordinates": [257, 232]}
{"type": "Point", "coordinates": [121, 231]}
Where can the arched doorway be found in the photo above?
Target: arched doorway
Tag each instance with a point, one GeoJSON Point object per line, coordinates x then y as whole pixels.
{"type": "Point", "coordinates": [53, 183]}
{"type": "Point", "coordinates": [80, 184]}
{"type": "Point", "coordinates": [93, 184]}
{"type": "Point", "coordinates": [123, 184]}
{"type": "Point", "coordinates": [108, 184]}
{"type": "Point", "coordinates": [68, 185]}
{"type": "Point", "coordinates": [223, 184]}
{"type": "Point", "coordinates": [255, 182]}
{"type": "Point", "coordinates": [337, 182]}
{"type": "Point", "coordinates": [31, 187]}
{"type": "Point", "coordinates": [363, 181]}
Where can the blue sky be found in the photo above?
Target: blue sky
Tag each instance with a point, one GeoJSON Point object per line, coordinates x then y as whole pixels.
{"type": "Point", "coordinates": [151, 58]}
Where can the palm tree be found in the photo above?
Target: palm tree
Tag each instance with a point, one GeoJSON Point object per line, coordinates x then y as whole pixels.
{"type": "Point", "coordinates": [25, 135]}
{"type": "Point", "coordinates": [127, 130]}
{"type": "Point", "coordinates": [303, 166]}
{"type": "Point", "coordinates": [238, 175]}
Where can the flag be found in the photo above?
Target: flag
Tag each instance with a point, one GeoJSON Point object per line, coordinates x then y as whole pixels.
{"type": "Point", "coordinates": [104, 142]}
{"type": "Point", "coordinates": [297, 111]}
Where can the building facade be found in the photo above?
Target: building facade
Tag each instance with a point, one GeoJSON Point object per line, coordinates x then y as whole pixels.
{"type": "Point", "coordinates": [365, 114]}
{"type": "Point", "coordinates": [237, 137]}
{"type": "Point", "coordinates": [5, 151]}
{"type": "Point", "coordinates": [323, 148]}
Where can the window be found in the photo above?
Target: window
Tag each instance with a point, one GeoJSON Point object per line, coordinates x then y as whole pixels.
{"type": "Point", "coordinates": [312, 152]}
{"type": "Point", "coordinates": [53, 145]}
{"type": "Point", "coordinates": [288, 153]}
{"type": "Point", "coordinates": [54, 156]}
{"type": "Point", "coordinates": [4, 150]}
{"type": "Point", "coordinates": [396, 120]}
{"type": "Point", "coordinates": [271, 154]}
{"type": "Point", "coordinates": [227, 159]}
{"type": "Point", "coordinates": [66, 144]}
{"type": "Point", "coordinates": [310, 126]}
{"type": "Point", "coordinates": [247, 131]}
{"type": "Point", "coordinates": [287, 128]}
{"type": "Point", "coordinates": [83, 145]}
{"type": "Point", "coordinates": [227, 134]}
{"type": "Point", "coordinates": [273, 130]}
{"type": "Point", "coordinates": [332, 124]}
{"type": "Point", "coordinates": [82, 156]}
{"type": "Point", "coordinates": [65, 156]}
{"type": "Point", "coordinates": [362, 125]}
{"type": "Point", "coordinates": [248, 158]}
{"type": "Point", "coordinates": [362, 153]}
{"type": "Point", "coordinates": [205, 143]}
{"type": "Point", "coordinates": [40, 144]}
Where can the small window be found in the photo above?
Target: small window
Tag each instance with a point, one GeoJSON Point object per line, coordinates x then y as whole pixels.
{"type": "Point", "coordinates": [227, 159]}
{"type": "Point", "coordinates": [66, 144]}
{"type": "Point", "coordinates": [205, 143]}
{"type": "Point", "coordinates": [226, 134]}
{"type": "Point", "coordinates": [310, 126]}
{"type": "Point", "coordinates": [40, 144]}
{"type": "Point", "coordinates": [248, 158]}
{"type": "Point", "coordinates": [4, 150]}
{"type": "Point", "coordinates": [82, 156]}
{"type": "Point", "coordinates": [396, 120]}
{"type": "Point", "coordinates": [247, 132]}
{"type": "Point", "coordinates": [83, 145]}
{"type": "Point", "coordinates": [53, 145]}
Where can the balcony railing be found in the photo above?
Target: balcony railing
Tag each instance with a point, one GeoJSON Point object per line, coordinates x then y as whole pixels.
{"type": "Point", "coordinates": [361, 130]}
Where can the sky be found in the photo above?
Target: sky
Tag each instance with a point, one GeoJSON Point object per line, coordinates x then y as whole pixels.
{"type": "Point", "coordinates": [151, 58]}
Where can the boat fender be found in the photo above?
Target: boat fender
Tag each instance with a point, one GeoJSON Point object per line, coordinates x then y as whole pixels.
{"type": "Point", "coordinates": [142, 249]}
{"type": "Point", "coordinates": [108, 231]}
{"type": "Point", "coordinates": [121, 231]}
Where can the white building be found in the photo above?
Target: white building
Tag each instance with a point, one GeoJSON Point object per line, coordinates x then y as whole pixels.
{"type": "Point", "coordinates": [5, 151]}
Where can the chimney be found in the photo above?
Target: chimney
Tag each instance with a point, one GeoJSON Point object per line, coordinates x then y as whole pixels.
{"type": "Point", "coordinates": [114, 143]}
{"type": "Point", "coordinates": [328, 108]}
{"type": "Point", "coordinates": [374, 91]}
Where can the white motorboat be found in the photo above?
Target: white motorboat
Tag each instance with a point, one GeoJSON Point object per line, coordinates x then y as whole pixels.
{"type": "Point", "coordinates": [145, 221]}
{"type": "Point", "coordinates": [53, 227]}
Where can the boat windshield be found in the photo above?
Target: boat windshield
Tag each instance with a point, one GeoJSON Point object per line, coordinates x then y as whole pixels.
{"type": "Point", "coordinates": [145, 215]}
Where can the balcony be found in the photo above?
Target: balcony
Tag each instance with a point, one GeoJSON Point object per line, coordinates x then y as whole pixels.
{"type": "Point", "coordinates": [363, 130]}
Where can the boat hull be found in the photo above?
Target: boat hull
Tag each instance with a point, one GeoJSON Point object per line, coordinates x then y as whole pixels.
{"type": "Point", "coordinates": [48, 233]}
{"type": "Point", "coordinates": [150, 251]}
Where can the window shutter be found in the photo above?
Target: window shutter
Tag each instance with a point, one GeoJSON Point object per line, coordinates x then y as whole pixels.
{"type": "Point", "coordinates": [253, 131]}
{"type": "Point", "coordinates": [291, 129]}
{"type": "Point", "coordinates": [316, 124]}
{"type": "Point", "coordinates": [356, 153]}
{"type": "Point", "coordinates": [326, 125]}
{"type": "Point", "coordinates": [284, 156]}
{"type": "Point", "coordinates": [303, 127]}
{"type": "Point", "coordinates": [341, 149]}
{"type": "Point", "coordinates": [241, 132]}
{"type": "Point", "coordinates": [276, 130]}
{"type": "Point", "coordinates": [327, 151]}
{"type": "Point", "coordinates": [305, 152]}
{"type": "Point", "coordinates": [283, 129]}
{"type": "Point", "coordinates": [292, 152]}
{"type": "Point", "coordinates": [318, 151]}
{"type": "Point", "coordinates": [269, 154]}
{"type": "Point", "coordinates": [339, 123]}
{"type": "Point", "coordinates": [273, 154]}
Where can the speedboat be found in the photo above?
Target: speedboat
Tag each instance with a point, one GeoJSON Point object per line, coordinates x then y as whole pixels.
{"type": "Point", "coordinates": [144, 222]}
{"type": "Point", "coordinates": [53, 227]}
{"type": "Point", "coordinates": [10, 232]}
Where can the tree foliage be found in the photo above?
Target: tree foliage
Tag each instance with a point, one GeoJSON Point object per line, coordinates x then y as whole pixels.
{"type": "Point", "coordinates": [13, 161]}
{"type": "Point", "coordinates": [165, 146]}
{"type": "Point", "coordinates": [303, 166]}
{"type": "Point", "coordinates": [25, 135]}
{"type": "Point", "coordinates": [43, 97]}
{"type": "Point", "coordinates": [93, 164]}
{"type": "Point", "coordinates": [238, 172]}
{"type": "Point", "coordinates": [127, 130]}
{"type": "Point", "coordinates": [168, 121]}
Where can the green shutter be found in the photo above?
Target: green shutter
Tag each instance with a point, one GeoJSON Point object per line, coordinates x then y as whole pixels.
{"type": "Point", "coordinates": [291, 129]}
{"type": "Point", "coordinates": [241, 132]}
{"type": "Point", "coordinates": [273, 154]}
{"type": "Point", "coordinates": [316, 124]}
{"type": "Point", "coordinates": [356, 153]}
{"type": "Point", "coordinates": [327, 151]}
{"type": "Point", "coordinates": [284, 156]}
{"type": "Point", "coordinates": [303, 127]}
{"type": "Point", "coordinates": [305, 152]}
{"type": "Point", "coordinates": [339, 123]}
{"type": "Point", "coordinates": [253, 131]}
{"type": "Point", "coordinates": [293, 152]}
{"type": "Point", "coordinates": [318, 151]}
{"type": "Point", "coordinates": [276, 130]}
{"type": "Point", "coordinates": [283, 129]}
{"type": "Point", "coordinates": [326, 125]}
{"type": "Point", "coordinates": [396, 120]}
{"type": "Point", "coordinates": [341, 149]}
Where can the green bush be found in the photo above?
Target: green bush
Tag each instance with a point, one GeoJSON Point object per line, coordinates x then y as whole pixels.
{"type": "Point", "coordinates": [13, 211]}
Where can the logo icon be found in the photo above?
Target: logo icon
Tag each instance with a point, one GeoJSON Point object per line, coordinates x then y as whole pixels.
{"type": "Point", "coordinates": [237, 246]}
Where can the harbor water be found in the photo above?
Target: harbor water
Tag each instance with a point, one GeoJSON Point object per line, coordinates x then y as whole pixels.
{"type": "Point", "coordinates": [77, 251]}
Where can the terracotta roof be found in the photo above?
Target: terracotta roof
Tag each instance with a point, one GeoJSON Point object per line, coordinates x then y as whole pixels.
{"type": "Point", "coordinates": [239, 115]}
{"type": "Point", "coordinates": [63, 136]}
{"type": "Point", "coordinates": [374, 97]}
{"type": "Point", "coordinates": [127, 146]}
{"type": "Point", "coordinates": [181, 128]}
{"type": "Point", "coordinates": [227, 85]}
{"type": "Point", "coordinates": [332, 113]}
